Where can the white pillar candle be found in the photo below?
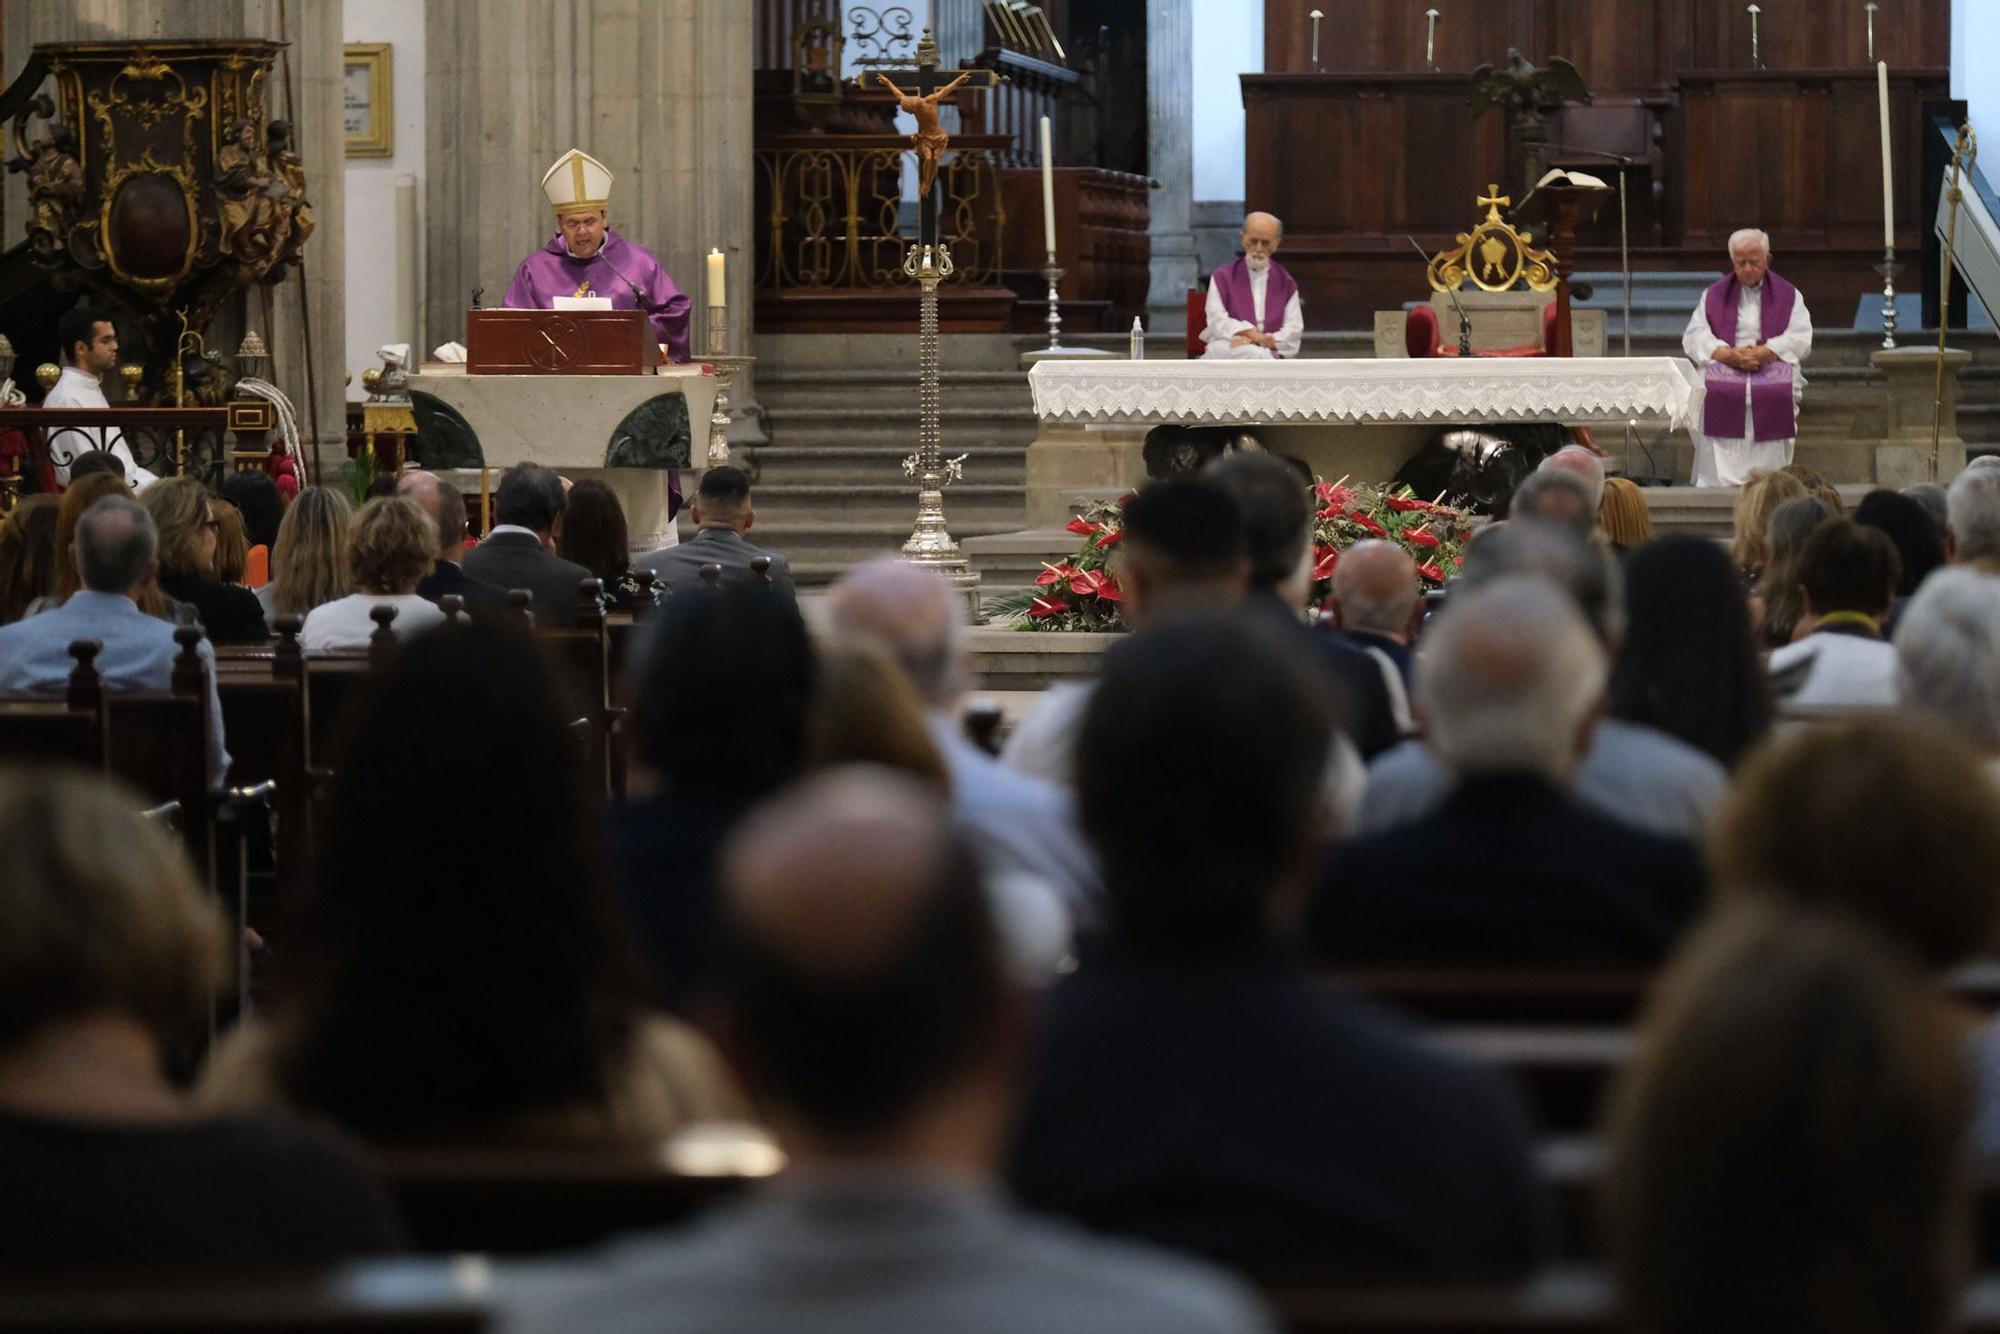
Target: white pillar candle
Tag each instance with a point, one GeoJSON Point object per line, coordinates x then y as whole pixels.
{"type": "Point", "coordinates": [718, 294]}
{"type": "Point", "coordinates": [1048, 191]}
{"type": "Point", "coordinates": [1888, 180]}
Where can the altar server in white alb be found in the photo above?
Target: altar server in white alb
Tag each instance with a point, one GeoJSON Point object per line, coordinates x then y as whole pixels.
{"type": "Point", "coordinates": [1748, 336]}
{"type": "Point", "coordinates": [1253, 304]}
{"type": "Point", "coordinates": [90, 352]}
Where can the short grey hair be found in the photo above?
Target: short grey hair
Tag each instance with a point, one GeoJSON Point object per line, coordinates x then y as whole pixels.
{"type": "Point", "coordinates": [1508, 678]}
{"type": "Point", "coordinates": [1555, 497]}
{"type": "Point", "coordinates": [1948, 652]}
{"type": "Point", "coordinates": [1555, 554]}
{"type": "Point", "coordinates": [1972, 514]}
{"type": "Point", "coordinates": [1931, 496]}
{"type": "Point", "coordinates": [1580, 463]}
{"type": "Point", "coordinates": [1746, 234]}
{"type": "Point", "coordinates": [1384, 611]}
{"type": "Point", "coordinates": [116, 540]}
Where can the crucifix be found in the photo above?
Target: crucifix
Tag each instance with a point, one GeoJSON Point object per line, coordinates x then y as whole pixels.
{"type": "Point", "coordinates": [918, 92]}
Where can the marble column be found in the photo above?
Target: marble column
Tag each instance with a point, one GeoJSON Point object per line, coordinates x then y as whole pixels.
{"type": "Point", "coordinates": [658, 90]}
{"type": "Point", "coordinates": [314, 29]}
{"type": "Point", "coordinates": [1170, 161]}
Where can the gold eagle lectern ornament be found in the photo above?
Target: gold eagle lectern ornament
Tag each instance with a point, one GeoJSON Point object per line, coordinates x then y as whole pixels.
{"type": "Point", "coordinates": [1494, 256]}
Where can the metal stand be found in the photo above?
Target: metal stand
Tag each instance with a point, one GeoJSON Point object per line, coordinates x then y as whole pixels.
{"type": "Point", "coordinates": [931, 544]}
{"type": "Point", "coordinates": [1054, 275]}
{"type": "Point", "coordinates": [1888, 268]}
{"type": "Point", "coordinates": [726, 365]}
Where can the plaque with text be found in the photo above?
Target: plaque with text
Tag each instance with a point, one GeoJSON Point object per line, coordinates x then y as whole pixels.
{"type": "Point", "coordinates": [559, 342]}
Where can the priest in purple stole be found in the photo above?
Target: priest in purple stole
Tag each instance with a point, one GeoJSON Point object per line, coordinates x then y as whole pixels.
{"type": "Point", "coordinates": [1253, 304]}
{"type": "Point", "coordinates": [1748, 336]}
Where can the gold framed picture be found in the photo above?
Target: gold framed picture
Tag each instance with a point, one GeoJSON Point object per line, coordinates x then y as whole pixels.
{"type": "Point", "coordinates": [367, 100]}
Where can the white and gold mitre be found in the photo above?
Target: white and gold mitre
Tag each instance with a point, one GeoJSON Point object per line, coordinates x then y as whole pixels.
{"type": "Point", "coordinates": [577, 183]}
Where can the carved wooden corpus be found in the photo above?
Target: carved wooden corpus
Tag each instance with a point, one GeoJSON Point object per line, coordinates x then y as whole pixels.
{"type": "Point", "coordinates": [156, 182]}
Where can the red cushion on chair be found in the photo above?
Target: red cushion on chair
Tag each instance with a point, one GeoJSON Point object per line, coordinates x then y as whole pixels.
{"type": "Point", "coordinates": [1197, 302]}
{"type": "Point", "coordinates": [1549, 328]}
{"type": "Point", "coordinates": [1420, 332]}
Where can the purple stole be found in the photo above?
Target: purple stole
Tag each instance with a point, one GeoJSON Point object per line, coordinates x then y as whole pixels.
{"type": "Point", "coordinates": [1771, 408]}
{"type": "Point", "coordinates": [1233, 282]}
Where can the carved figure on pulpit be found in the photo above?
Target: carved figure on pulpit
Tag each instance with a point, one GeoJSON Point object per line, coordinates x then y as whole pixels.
{"type": "Point", "coordinates": [250, 223]}
{"type": "Point", "coordinates": [1254, 312]}
{"type": "Point", "coordinates": [55, 190]}
{"type": "Point", "coordinates": [294, 208]}
{"type": "Point", "coordinates": [1748, 336]}
{"type": "Point", "coordinates": [1527, 91]}
{"type": "Point", "coordinates": [930, 140]}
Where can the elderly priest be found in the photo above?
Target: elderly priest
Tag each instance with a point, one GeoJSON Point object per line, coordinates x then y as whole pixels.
{"type": "Point", "coordinates": [1748, 335]}
{"type": "Point", "coordinates": [1253, 304]}
{"type": "Point", "coordinates": [586, 258]}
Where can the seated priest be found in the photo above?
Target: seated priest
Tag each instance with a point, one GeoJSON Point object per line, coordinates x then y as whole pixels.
{"type": "Point", "coordinates": [1748, 335]}
{"type": "Point", "coordinates": [586, 258]}
{"type": "Point", "coordinates": [1253, 304]}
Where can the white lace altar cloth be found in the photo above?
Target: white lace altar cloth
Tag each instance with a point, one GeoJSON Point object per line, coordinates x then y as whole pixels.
{"type": "Point", "coordinates": [1360, 391]}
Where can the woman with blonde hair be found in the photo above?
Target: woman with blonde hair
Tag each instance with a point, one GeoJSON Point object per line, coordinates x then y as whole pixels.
{"type": "Point", "coordinates": [184, 512]}
{"type": "Point", "coordinates": [1761, 495]}
{"type": "Point", "coordinates": [390, 551]}
{"type": "Point", "coordinates": [1622, 514]}
{"type": "Point", "coordinates": [109, 954]}
{"type": "Point", "coordinates": [309, 565]}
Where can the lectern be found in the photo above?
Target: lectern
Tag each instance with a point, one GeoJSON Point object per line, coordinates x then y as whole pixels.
{"type": "Point", "coordinates": [1559, 210]}
{"type": "Point", "coordinates": [559, 342]}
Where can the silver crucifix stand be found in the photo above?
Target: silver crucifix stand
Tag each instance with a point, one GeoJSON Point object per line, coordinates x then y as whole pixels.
{"type": "Point", "coordinates": [726, 365]}
{"type": "Point", "coordinates": [931, 543]}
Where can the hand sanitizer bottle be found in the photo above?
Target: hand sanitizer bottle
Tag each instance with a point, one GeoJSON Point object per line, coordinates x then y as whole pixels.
{"type": "Point", "coordinates": [1138, 340]}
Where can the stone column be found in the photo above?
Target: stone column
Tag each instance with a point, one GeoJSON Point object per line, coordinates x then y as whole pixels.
{"type": "Point", "coordinates": [1170, 161]}
{"type": "Point", "coordinates": [314, 29]}
{"type": "Point", "coordinates": [658, 90]}
{"type": "Point", "coordinates": [1909, 402]}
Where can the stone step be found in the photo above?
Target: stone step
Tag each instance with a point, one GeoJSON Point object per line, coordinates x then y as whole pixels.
{"type": "Point", "coordinates": [849, 430]}
{"type": "Point", "coordinates": [801, 464]}
{"type": "Point", "coordinates": [885, 503]}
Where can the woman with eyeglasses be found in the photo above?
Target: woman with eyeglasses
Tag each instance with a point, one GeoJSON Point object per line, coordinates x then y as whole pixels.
{"type": "Point", "coordinates": [182, 508]}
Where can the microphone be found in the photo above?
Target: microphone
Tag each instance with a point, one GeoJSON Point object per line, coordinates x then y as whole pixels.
{"type": "Point", "coordinates": [1464, 320]}
{"type": "Point", "coordinates": [477, 292]}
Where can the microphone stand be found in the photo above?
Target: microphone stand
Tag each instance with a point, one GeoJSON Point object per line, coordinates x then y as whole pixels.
{"type": "Point", "coordinates": [1464, 320]}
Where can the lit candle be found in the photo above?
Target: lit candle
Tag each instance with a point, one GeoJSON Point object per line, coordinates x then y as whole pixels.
{"type": "Point", "coordinates": [1888, 181]}
{"type": "Point", "coordinates": [718, 295]}
{"type": "Point", "coordinates": [1048, 191]}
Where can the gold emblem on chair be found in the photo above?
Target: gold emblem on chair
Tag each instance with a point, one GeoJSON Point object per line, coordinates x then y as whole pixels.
{"type": "Point", "coordinates": [1494, 256]}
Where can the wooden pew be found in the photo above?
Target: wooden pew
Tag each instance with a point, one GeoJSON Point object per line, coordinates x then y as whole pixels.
{"type": "Point", "coordinates": [581, 655]}
{"type": "Point", "coordinates": [404, 1296]}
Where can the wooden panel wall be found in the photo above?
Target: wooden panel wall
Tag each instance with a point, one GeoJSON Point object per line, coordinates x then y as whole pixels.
{"type": "Point", "coordinates": [1619, 44]}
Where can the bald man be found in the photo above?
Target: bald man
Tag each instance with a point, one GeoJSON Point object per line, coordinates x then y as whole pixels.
{"type": "Point", "coordinates": [1023, 828]}
{"type": "Point", "coordinates": [1253, 304]}
{"type": "Point", "coordinates": [1377, 602]}
{"type": "Point", "coordinates": [870, 1015]}
{"type": "Point", "coordinates": [442, 501]}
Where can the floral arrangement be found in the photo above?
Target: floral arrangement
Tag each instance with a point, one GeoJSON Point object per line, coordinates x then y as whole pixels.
{"type": "Point", "coordinates": [1082, 594]}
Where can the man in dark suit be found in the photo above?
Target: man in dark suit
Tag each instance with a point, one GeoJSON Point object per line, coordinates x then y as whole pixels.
{"type": "Point", "coordinates": [1376, 604]}
{"type": "Point", "coordinates": [1277, 519]}
{"type": "Point", "coordinates": [1195, 1085]}
{"type": "Point", "coordinates": [447, 509]}
{"type": "Point", "coordinates": [723, 514]}
{"type": "Point", "coordinates": [520, 551]}
{"type": "Point", "coordinates": [1511, 868]}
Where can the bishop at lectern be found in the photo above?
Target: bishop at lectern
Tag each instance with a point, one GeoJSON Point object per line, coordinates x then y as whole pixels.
{"type": "Point", "coordinates": [587, 259]}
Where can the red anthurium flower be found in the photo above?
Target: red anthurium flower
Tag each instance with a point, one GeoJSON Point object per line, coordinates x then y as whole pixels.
{"type": "Point", "coordinates": [1109, 539]}
{"type": "Point", "coordinates": [1107, 588]}
{"type": "Point", "coordinates": [1324, 559]}
{"type": "Point", "coordinates": [1421, 538]}
{"type": "Point", "coordinates": [1042, 608]}
{"type": "Point", "coordinates": [1055, 574]}
{"type": "Point", "coordinates": [1432, 573]}
{"type": "Point", "coordinates": [1084, 583]}
{"type": "Point", "coordinates": [1404, 505]}
{"type": "Point", "coordinates": [1082, 526]}
{"type": "Point", "coordinates": [1372, 526]}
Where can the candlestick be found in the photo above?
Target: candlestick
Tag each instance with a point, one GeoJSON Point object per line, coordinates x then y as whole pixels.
{"type": "Point", "coordinates": [1888, 181]}
{"type": "Point", "coordinates": [1871, 7]}
{"type": "Point", "coordinates": [1316, 17]}
{"type": "Point", "coordinates": [1756, 54]}
{"type": "Point", "coordinates": [1430, 38]}
{"type": "Point", "coordinates": [718, 294]}
{"type": "Point", "coordinates": [1888, 268]}
{"type": "Point", "coordinates": [1048, 194]}
{"type": "Point", "coordinates": [1054, 276]}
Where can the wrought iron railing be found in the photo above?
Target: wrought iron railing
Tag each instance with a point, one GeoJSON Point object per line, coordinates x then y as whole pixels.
{"type": "Point", "coordinates": [204, 442]}
{"type": "Point", "coordinates": [832, 212]}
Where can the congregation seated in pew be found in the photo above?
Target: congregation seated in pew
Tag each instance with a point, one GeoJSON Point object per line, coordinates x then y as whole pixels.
{"type": "Point", "coordinates": [1840, 659]}
{"type": "Point", "coordinates": [27, 555]}
{"type": "Point", "coordinates": [115, 556]}
{"type": "Point", "coordinates": [454, 971]}
{"type": "Point", "coordinates": [109, 957]}
{"type": "Point", "coordinates": [189, 536]}
{"type": "Point", "coordinates": [390, 549]}
{"type": "Point", "coordinates": [309, 565]}
{"type": "Point", "coordinates": [519, 551]}
{"type": "Point", "coordinates": [723, 516]}
{"type": "Point", "coordinates": [594, 536]}
{"type": "Point", "coordinates": [446, 508]}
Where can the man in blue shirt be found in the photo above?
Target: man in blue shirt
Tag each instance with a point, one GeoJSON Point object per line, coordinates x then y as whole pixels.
{"type": "Point", "coordinates": [116, 554]}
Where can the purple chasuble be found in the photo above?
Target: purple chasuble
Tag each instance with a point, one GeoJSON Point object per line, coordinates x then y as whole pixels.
{"type": "Point", "coordinates": [625, 274]}
{"type": "Point", "coordinates": [1233, 282]}
{"type": "Point", "coordinates": [1771, 412]}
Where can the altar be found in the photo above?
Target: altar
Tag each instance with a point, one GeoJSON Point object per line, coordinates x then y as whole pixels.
{"type": "Point", "coordinates": [1359, 418]}
{"type": "Point", "coordinates": [623, 430]}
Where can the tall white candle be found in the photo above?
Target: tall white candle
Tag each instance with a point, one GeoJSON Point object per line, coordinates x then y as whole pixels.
{"type": "Point", "coordinates": [718, 293]}
{"type": "Point", "coordinates": [1888, 180]}
{"type": "Point", "coordinates": [1048, 190]}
